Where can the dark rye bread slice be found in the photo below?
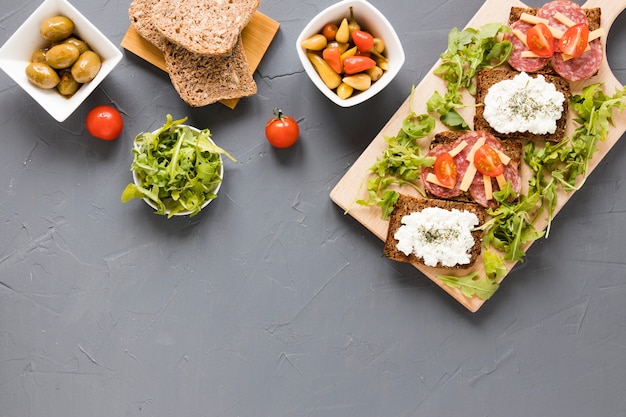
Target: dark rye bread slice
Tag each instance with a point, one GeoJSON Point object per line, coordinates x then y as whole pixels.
{"type": "Point", "coordinates": [207, 27]}
{"type": "Point", "coordinates": [408, 204]}
{"type": "Point", "coordinates": [487, 78]}
{"type": "Point", "coordinates": [593, 15]}
{"type": "Point", "coordinates": [512, 148]}
{"type": "Point", "coordinates": [198, 79]}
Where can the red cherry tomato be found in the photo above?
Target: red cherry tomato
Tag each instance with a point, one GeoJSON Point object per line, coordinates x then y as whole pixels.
{"type": "Point", "coordinates": [445, 169]}
{"type": "Point", "coordinates": [540, 40]}
{"type": "Point", "coordinates": [575, 40]}
{"type": "Point", "coordinates": [364, 41]}
{"type": "Point", "coordinates": [487, 161]}
{"type": "Point", "coordinates": [282, 131]}
{"type": "Point", "coordinates": [104, 122]}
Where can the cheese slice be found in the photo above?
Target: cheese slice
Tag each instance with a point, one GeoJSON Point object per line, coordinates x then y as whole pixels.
{"type": "Point", "coordinates": [432, 178]}
{"type": "Point", "coordinates": [458, 148]}
{"type": "Point", "coordinates": [479, 142]}
{"type": "Point", "coordinates": [595, 34]}
{"type": "Point", "coordinates": [532, 19]}
{"type": "Point", "coordinates": [488, 187]}
{"type": "Point", "coordinates": [564, 19]}
{"type": "Point", "coordinates": [468, 177]}
{"type": "Point", "coordinates": [501, 181]}
{"type": "Point", "coordinates": [521, 36]}
{"type": "Point", "coordinates": [504, 158]}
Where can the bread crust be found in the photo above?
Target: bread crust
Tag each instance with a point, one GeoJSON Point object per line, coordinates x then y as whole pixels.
{"type": "Point", "coordinates": [407, 204]}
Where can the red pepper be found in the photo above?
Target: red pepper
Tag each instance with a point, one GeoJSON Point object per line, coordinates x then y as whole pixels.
{"type": "Point", "coordinates": [364, 41]}
{"type": "Point", "coordinates": [356, 64]}
{"type": "Point", "coordinates": [332, 55]}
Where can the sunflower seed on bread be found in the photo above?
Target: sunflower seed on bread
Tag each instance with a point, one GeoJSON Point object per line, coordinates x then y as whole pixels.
{"type": "Point", "coordinates": [207, 27]}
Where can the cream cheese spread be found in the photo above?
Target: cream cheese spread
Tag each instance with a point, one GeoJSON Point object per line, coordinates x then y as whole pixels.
{"type": "Point", "coordinates": [437, 236]}
{"type": "Point", "coordinates": [523, 104]}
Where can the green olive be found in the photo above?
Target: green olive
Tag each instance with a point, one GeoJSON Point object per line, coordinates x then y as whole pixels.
{"type": "Point", "coordinates": [80, 44]}
{"type": "Point", "coordinates": [86, 67]}
{"type": "Point", "coordinates": [67, 84]}
{"type": "Point", "coordinates": [62, 56]}
{"type": "Point", "coordinates": [56, 28]}
{"type": "Point", "coordinates": [39, 56]}
{"type": "Point", "coordinates": [42, 75]}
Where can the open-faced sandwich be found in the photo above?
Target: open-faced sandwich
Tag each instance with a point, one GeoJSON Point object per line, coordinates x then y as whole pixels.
{"type": "Point", "coordinates": [559, 37]}
{"type": "Point", "coordinates": [433, 232]}
{"type": "Point", "coordinates": [470, 166]}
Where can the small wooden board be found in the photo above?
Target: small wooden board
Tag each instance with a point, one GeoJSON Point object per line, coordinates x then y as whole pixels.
{"type": "Point", "coordinates": [256, 36]}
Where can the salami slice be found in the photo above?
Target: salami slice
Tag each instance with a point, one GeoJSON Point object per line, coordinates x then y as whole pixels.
{"type": "Point", "coordinates": [516, 61]}
{"type": "Point", "coordinates": [567, 8]}
{"type": "Point", "coordinates": [583, 67]}
{"type": "Point", "coordinates": [435, 189]}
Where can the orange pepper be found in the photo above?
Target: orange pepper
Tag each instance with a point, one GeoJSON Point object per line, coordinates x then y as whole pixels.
{"type": "Point", "coordinates": [332, 55]}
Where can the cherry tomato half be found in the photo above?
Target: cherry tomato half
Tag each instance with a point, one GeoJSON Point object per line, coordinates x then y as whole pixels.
{"type": "Point", "coordinates": [104, 122]}
{"type": "Point", "coordinates": [445, 169]}
{"type": "Point", "coordinates": [540, 40]}
{"type": "Point", "coordinates": [575, 40]}
{"type": "Point", "coordinates": [282, 131]}
{"type": "Point", "coordinates": [487, 161]}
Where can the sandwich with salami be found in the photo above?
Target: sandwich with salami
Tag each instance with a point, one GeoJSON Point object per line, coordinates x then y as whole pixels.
{"type": "Point", "coordinates": [471, 166]}
{"type": "Point", "coordinates": [559, 37]}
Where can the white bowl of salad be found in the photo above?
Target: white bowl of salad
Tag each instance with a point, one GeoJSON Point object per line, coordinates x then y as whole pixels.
{"type": "Point", "coordinates": [177, 169]}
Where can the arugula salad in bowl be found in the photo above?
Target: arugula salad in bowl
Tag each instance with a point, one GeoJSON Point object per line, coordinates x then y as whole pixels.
{"type": "Point", "coordinates": [177, 169]}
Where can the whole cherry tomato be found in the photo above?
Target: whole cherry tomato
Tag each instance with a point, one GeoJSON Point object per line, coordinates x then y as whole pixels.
{"type": "Point", "coordinates": [445, 169]}
{"type": "Point", "coordinates": [282, 131]}
{"type": "Point", "coordinates": [104, 122]}
{"type": "Point", "coordinates": [540, 40]}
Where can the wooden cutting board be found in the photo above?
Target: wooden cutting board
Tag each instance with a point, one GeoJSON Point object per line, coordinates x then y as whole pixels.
{"type": "Point", "coordinates": [256, 37]}
{"type": "Point", "coordinates": [353, 185]}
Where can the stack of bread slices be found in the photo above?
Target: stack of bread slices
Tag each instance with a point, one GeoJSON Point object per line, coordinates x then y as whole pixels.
{"type": "Point", "coordinates": [201, 43]}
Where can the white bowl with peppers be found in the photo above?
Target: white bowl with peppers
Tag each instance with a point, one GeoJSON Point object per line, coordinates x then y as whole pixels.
{"type": "Point", "coordinates": [350, 51]}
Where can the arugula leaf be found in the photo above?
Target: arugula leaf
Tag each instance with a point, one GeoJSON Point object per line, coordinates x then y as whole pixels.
{"type": "Point", "coordinates": [468, 52]}
{"type": "Point", "coordinates": [471, 285]}
{"type": "Point", "coordinates": [400, 163]}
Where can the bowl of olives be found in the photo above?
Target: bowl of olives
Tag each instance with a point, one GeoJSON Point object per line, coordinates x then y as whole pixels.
{"type": "Point", "coordinates": [58, 57]}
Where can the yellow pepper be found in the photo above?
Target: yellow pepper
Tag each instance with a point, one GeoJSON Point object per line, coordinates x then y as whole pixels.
{"type": "Point", "coordinates": [375, 73]}
{"type": "Point", "coordinates": [316, 42]}
{"type": "Point", "coordinates": [344, 91]}
{"type": "Point", "coordinates": [343, 33]}
{"type": "Point", "coordinates": [328, 76]}
{"type": "Point", "coordinates": [359, 82]}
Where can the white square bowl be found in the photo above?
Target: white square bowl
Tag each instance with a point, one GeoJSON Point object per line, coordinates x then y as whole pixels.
{"type": "Point", "coordinates": [16, 53]}
{"type": "Point", "coordinates": [371, 19]}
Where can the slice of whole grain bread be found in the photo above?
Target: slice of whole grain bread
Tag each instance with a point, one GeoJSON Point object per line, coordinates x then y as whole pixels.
{"type": "Point", "coordinates": [488, 77]}
{"type": "Point", "coordinates": [198, 79]}
{"type": "Point", "coordinates": [406, 205]}
{"type": "Point", "coordinates": [207, 27]}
